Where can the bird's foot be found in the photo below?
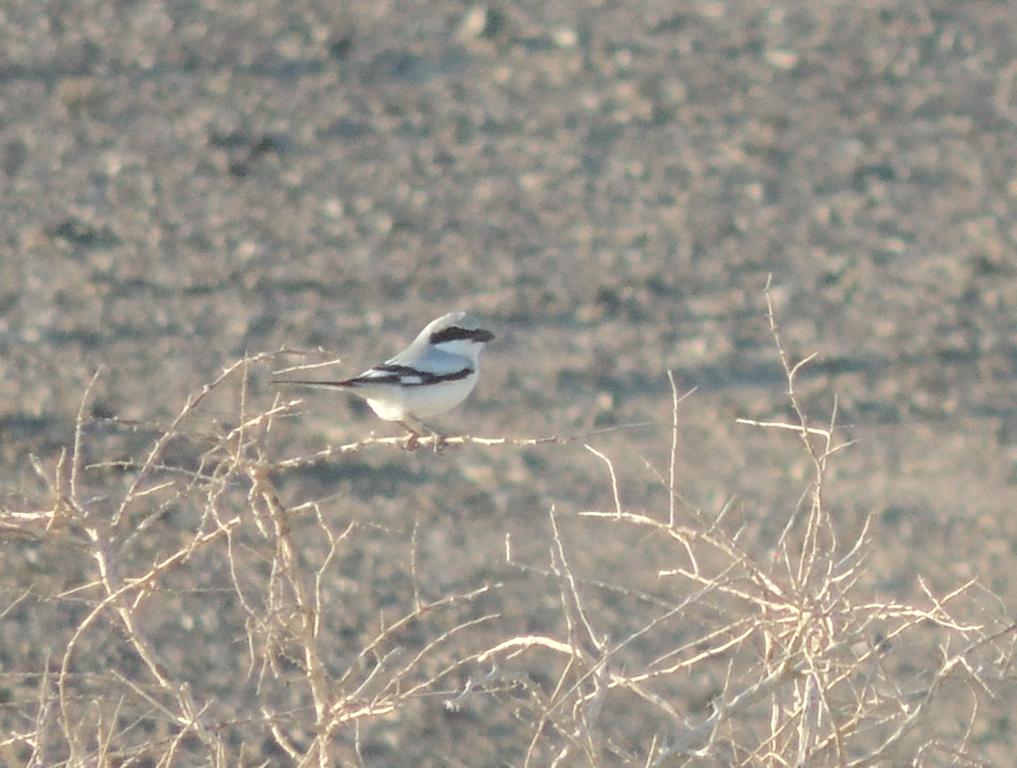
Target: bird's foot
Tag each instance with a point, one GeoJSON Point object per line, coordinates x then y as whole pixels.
{"type": "Point", "coordinates": [412, 442]}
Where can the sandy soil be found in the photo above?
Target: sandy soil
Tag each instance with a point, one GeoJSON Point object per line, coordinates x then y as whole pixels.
{"type": "Point", "coordinates": [607, 184]}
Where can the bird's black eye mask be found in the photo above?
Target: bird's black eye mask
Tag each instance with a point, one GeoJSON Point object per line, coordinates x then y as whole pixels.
{"type": "Point", "coordinates": [455, 333]}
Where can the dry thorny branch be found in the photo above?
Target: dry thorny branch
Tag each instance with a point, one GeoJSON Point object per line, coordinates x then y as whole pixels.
{"type": "Point", "coordinates": [811, 667]}
{"type": "Point", "coordinates": [728, 652]}
{"type": "Point", "coordinates": [245, 549]}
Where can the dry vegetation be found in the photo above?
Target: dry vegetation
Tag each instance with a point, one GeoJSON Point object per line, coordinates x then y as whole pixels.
{"type": "Point", "coordinates": [246, 580]}
{"type": "Point", "coordinates": [199, 619]}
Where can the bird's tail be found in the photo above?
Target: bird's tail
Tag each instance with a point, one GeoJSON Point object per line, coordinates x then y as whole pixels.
{"type": "Point", "coordinates": [312, 383]}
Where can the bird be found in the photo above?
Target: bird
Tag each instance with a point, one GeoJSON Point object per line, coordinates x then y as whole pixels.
{"type": "Point", "coordinates": [435, 373]}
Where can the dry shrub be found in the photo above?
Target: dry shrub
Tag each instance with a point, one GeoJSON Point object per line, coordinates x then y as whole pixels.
{"type": "Point", "coordinates": [755, 654]}
{"type": "Point", "coordinates": [168, 609]}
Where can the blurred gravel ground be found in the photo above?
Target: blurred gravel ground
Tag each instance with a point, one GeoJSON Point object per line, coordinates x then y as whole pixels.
{"type": "Point", "coordinates": [608, 184]}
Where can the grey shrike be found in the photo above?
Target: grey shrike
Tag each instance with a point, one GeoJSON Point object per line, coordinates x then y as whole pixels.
{"type": "Point", "coordinates": [432, 375]}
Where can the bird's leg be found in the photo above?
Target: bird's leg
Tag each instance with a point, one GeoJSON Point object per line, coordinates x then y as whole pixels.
{"type": "Point", "coordinates": [439, 441]}
{"type": "Point", "coordinates": [439, 438]}
{"type": "Point", "coordinates": [418, 428]}
{"type": "Point", "coordinates": [413, 440]}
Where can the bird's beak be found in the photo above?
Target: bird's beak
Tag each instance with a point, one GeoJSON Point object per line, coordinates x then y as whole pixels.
{"type": "Point", "coordinates": [483, 336]}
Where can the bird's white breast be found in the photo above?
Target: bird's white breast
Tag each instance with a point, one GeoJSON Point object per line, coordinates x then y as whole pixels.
{"type": "Point", "coordinates": [421, 401]}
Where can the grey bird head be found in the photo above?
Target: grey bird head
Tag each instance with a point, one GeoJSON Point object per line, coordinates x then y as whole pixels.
{"type": "Point", "coordinates": [456, 333]}
{"type": "Point", "coordinates": [454, 326]}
